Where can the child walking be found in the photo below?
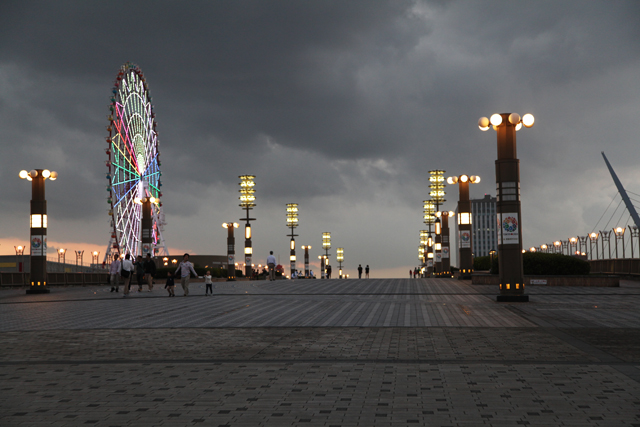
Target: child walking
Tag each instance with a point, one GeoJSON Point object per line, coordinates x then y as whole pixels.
{"type": "Point", "coordinates": [209, 283]}
{"type": "Point", "coordinates": [171, 285]}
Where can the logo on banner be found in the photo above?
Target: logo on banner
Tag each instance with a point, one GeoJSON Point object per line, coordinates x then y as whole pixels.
{"type": "Point", "coordinates": [430, 263]}
{"type": "Point", "coordinates": [445, 252]}
{"type": "Point", "coordinates": [247, 260]}
{"type": "Point", "coordinates": [465, 238]}
{"type": "Point", "coordinates": [146, 248]}
{"type": "Point", "coordinates": [438, 257]}
{"type": "Point", "coordinates": [38, 245]}
{"type": "Point", "coordinates": [508, 229]}
{"type": "Point", "coordinates": [231, 260]}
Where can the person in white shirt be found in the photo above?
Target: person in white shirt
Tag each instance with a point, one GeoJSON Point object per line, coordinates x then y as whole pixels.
{"type": "Point", "coordinates": [208, 283]}
{"type": "Point", "coordinates": [185, 268]}
{"type": "Point", "coordinates": [271, 263]}
{"type": "Point", "coordinates": [114, 273]}
{"type": "Point", "coordinates": [127, 273]}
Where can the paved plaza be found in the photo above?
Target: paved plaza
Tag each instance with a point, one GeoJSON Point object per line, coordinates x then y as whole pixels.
{"type": "Point", "coordinates": [379, 352]}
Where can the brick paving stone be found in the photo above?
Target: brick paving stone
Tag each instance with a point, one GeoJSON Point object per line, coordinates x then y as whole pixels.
{"type": "Point", "coordinates": [320, 353]}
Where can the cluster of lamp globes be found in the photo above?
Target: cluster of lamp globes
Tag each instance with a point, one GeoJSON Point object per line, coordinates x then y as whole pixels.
{"type": "Point", "coordinates": [514, 118]}
{"type": "Point", "coordinates": [142, 200]}
{"type": "Point", "coordinates": [34, 173]}
{"type": "Point", "coordinates": [474, 179]}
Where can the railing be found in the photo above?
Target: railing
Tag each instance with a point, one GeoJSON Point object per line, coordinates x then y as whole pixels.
{"type": "Point", "coordinates": [628, 266]}
{"type": "Point", "coordinates": [55, 279]}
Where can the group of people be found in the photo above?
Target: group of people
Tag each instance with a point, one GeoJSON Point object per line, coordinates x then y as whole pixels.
{"type": "Point", "coordinates": [416, 272]}
{"type": "Point", "coordinates": [366, 271]}
{"type": "Point", "coordinates": [145, 272]}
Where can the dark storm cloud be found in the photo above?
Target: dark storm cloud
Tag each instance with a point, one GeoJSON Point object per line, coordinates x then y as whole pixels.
{"type": "Point", "coordinates": [341, 106]}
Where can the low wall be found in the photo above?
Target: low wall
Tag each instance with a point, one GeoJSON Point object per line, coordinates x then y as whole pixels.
{"type": "Point", "coordinates": [596, 281]}
{"type": "Point", "coordinates": [54, 279]}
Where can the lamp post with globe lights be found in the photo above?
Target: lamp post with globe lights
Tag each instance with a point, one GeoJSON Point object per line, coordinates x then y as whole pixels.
{"type": "Point", "coordinates": [619, 232]}
{"type": "Point", "coordinates": [605, 235]}
{"type": "Point", "coordinates": [593, 239]}
{"type": "Point", "coordinates": [464, 222]}
{"type": "Point", "coordinates": [508, 207]}
{"type": "Point", "coordinates": [38, 228]}
{"type": "Point", "coordinates": [231, 250]}
{"type": "Point", "coordinates": [20, 253]}
{"type": "Point", "coordinates": [635, 232]}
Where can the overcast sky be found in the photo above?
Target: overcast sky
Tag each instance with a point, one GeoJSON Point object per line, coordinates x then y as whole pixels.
{"type": "Point", "coordinates": [341, 107]}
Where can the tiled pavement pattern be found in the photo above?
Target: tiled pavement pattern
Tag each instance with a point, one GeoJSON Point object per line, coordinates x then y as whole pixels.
{"type": "Point", "coordinates": [321, 353]}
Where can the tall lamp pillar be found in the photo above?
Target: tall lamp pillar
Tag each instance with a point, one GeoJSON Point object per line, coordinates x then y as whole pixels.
{"type": "Point", "coordinates": [465, 251]}
{"type": "Point", "coordinates": [231, 250]}
{"type": "Point", "coordinates": [437, 264]}
{"type": "Point", "coordinates": [340, 259]}
{"type": "Point", "coordinates": [437, 193]}
{"type": "Point", "coordinates": [146, 224]}
{"type": "Point", "coordinates": [306, 260]}
{"type": "Point", "coordinates": [326, 245]}
{"type": "Point", "coordinates": [247, 202]}
{"type": "Point", "coordinates": [445, 250]}
{"type": "Point", "coordinates": [429, 219]}
{"type": "Point", "coordinates": [292, 222]}
{"type": "Point", "coordinates": [38, 228]}
{"type": "Point", "coordinates": [508, 207]}
{"type": "Point", "coordinates": [321, 258]}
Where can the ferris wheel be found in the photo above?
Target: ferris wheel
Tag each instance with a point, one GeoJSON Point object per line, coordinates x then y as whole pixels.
{"type": "Point", "coordinates": [133, 167]}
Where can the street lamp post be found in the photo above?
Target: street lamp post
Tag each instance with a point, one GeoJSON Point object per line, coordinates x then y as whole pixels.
{"type": "Point", "coordinates": [565, 246]}
{"type": "Point", "coordinates": [464, 223]}
{"type": "Point", "coordinates": [619, 232]}
{"type": "Point", "coordinates": [445, 249]}
{"type": "Point", "coordinates": [573, 244]}
{"type": "Point", "coordinates": [306, 260]}
{"type": "Point", "coordinates": [322, 258]}
{"type": "Point", "coordinates": [247, 202]}
{"type": "Point", "coordinates": [94, 258]}
{"type": "Point", "coordinates": [583, 244]}
{"type": "Point", "coordinates": [424, 239]}
{"type": "Point", "coordinates": [292, 221]}
{"type": "Point", "coordinates": [20, 253]}
{"type": "Point", "coordinates": [79, 258]}
{"type": "Point", "coordinates": [593, 238]}
{"type": "Point", "coordinates": [544, 247]}
{"type": "Point", "coordinates": [557, 244]}
{"type": "Point", "coordinates": [429, 219]}
{"type": "Point", "coordinates": [38, 228]}
{"type": "Point", "coordinates": [326, 245]}
{"type": "Point", "coordinates": [508, 203]}
{"type": "Point", "coordinates": [635, 232]}
{"type": "Point", "coordinates": [437, 193]}
{"type": "Point", "coordinates": [606, 235]}
{"type": "Point", "coordinates": [231, 250]}
{"type": "Point", "coordinates": [340, 259]}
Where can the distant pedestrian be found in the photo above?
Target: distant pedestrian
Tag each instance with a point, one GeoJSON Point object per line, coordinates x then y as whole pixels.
{"type": "Point", "coordinates": [271, 263]}
{"type": "Point", "coordinates": [114, 273]}
{"type": "Point", "coordinates": [328, 272]}
{"type": "Point", "coordinates": [171, 285]}
{"type": "Point", "coordinates": [208, 283]}
{"type": "Point", "coordinates": [149, 271]}
{"type": "Point", "coordinates": [359, 271]}
{"type": "Point", "coordinates": [410, 273]}
{"type": "Point", "coordinates": [139, 265]}
{"type": "Point", "coordinates": [366, 271]}
{"type": "Point", "coordinates": [185, 268]}
{"type": "Point", "coordinates": [126, 272]}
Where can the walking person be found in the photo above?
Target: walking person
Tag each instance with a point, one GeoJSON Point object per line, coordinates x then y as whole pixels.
{"type": "Point", "coordinates": [359, 271]}
{"type": "Point", "coordinates": [185, 268]}
{"type": "Point", "coordinates": [149, 271]}
{"type": "Point", "coordinates": [126, 273]}
{"type": "Point", "coordinates": [139, 265]}
{"type": "Point", "coordinates": [366, 271]}
{"type": "Point", "coordinates": [410, 273]}
{"type": "Point", "coordinates": [271, 263]}
{"type": "Point", "coordinates": [114, 273]}
{"type": "Point", "coordinates": [208, 283]}
{"type": "Point", "coordinates": [171, 285]}
{"type": "Point", "coordinates": [328, 272]}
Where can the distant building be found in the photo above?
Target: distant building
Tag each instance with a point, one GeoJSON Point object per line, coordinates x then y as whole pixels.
{"type": "Point", "coordinates": [484, 225]}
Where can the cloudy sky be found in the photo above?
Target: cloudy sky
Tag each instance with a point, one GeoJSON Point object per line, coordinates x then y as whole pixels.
{"type": "Point", "coordinates": [341, 107]}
